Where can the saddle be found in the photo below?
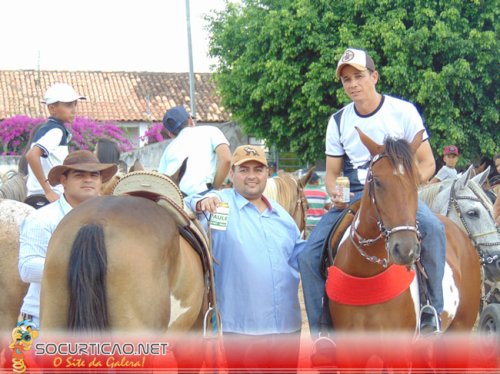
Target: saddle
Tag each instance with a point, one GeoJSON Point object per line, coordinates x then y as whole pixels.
{"type": "Point", "coordinates": [162, 190]}
{"type": "Point", "coordinates": [331, 244]}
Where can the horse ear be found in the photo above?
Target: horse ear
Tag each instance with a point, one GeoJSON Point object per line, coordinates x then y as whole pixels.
{"type": "Point", "coordinates": [464, 178]}
{"type": "Point", "coordinates": [305, 178]}
{"type": "Point", "coordinates": [417, 140]}
{"type": "Point", "coordinates": [177, 176]}
{"type": "Point", "coordinates": [373, 147]}
{"type": "Point", "coordinates": [482, 177]}
{"type": "Point", "coordinates": [136, 166]}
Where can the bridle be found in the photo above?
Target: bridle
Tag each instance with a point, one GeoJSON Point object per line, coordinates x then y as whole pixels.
{"type": "Point", "coordinates": [301, 202]}
{"type": "Point", "coordinates": [453, 203]}
{"type": "Point", "coordinates": [384, 231]}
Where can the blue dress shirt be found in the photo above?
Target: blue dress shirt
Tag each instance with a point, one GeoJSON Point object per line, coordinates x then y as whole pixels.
{"type": "Point", "coordinates": [256, 279]}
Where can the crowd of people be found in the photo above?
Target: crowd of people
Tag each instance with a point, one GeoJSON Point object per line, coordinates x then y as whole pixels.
{"type": "Point", "coordinates": [260, 254]}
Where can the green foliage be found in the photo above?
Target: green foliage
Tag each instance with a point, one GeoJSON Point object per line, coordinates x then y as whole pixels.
{"type": "Point", "coordinates": [277, 59]}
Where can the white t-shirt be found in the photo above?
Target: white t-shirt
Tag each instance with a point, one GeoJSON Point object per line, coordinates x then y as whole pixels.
{"type": "Point", "coordinates": [394, 117]}
{"type": "Point", "coordinates": [445, 173]}
{"type": "Point", "coordinates": [198, 144]}
{"type": "Point", "coordinates": [55, 150]}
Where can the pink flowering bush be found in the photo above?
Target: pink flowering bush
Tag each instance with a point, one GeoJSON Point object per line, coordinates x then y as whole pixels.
{"type": "Point", "coordinates": [155, 134]}
{"type": "Point", "coordinates": [15, 131]}
{"type": "Point", "coordinates": [86, 132]}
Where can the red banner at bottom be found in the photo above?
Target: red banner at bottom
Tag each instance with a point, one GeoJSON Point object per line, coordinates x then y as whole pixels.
{"type": "Point", "coordinates": [473, 353]}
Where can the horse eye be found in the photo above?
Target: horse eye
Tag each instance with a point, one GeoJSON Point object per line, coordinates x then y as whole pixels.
{"type": "Point", "coordinates": [377, 183]}
{"type": "Point", "coordinates": [473, 213]}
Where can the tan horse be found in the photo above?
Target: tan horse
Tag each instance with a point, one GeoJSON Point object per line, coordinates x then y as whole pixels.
{"type": "Point", "coordinates": [12, 213]}
{"type": "Point", "coordinates": [118, 263]}
{"type": "Point", "coordinates": [389, 203]}
{"type": "Point", "coordinates": [288, 191]}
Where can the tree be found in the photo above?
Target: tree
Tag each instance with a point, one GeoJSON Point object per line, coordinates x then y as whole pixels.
{"type": "Point", "coordinates": [277, 59]}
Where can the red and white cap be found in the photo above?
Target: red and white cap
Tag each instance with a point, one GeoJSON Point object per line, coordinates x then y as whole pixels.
{"type": "Point", "coordinates": [356, 58]}
{"type": "Point", "coordinates": [61, 92]}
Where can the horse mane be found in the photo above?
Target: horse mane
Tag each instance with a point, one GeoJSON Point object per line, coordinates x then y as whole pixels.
{"type": "Point", "coordinates": [429, 192]}
{"type": "Point", "coordinates": [14, 187]}
{"type": "Point", "coordinates": [398, 151]}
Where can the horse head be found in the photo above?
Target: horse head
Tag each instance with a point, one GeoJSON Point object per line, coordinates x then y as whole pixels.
{"type": "Point", "coordinates": [391, 197]}
{"type": "Point", "coordinates": [465, 202]}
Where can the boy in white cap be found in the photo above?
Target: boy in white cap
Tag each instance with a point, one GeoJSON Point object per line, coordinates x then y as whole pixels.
{"type": "Point", "coordinates": [50, 142]}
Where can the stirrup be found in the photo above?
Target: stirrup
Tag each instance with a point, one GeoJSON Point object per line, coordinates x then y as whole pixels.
{"type": "Point", "coordinates": [324, 352]}
{"type": "Point", "coordinates": [434, 312]}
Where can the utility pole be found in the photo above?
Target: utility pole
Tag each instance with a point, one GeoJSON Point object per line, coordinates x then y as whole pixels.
{"type": "Point", "coordinates": [192, 93]}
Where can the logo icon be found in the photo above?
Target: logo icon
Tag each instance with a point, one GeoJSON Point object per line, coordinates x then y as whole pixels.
{"type": "Point", "coordinates": [250, 151]}
{"type": "Point", "coordinates": [348, 56]}
{"type": "Point", "coordinates": [22, 340]}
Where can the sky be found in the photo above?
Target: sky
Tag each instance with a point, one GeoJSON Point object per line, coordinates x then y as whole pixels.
{"type": "Point", "coordinates": [104, 35]}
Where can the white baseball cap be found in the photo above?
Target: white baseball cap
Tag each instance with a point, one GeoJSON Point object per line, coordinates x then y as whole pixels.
{"type": "Point", "coordinates": [357, 58]}
{"type": "Point", "coordinates": [61, 92]}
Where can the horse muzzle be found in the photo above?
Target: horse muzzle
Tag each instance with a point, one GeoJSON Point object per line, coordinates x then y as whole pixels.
{"type": "Point", "coordinates": [403, 248]}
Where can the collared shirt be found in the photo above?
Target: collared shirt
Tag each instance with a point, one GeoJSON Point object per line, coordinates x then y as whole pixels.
{"type": "Point", "coordinates": [256, 278]}
{"type": "Point", "coordinates": [198, 145]}
{"type": "Point", "coordinates": [52, 138]}
{"type": "Point", "coordinates": [35, 233]}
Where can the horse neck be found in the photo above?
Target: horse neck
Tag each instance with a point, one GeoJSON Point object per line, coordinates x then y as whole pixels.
{"type": "Point", "coordinates": [349, 259]}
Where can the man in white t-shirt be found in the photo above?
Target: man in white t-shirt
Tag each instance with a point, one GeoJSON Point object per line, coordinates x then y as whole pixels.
{"type": "Point", "coordinates": [206, 148]}
{"type": "Point", "coordinates": [450, 159]}
{"type": "Point", "coordinates": [50, 141]}
{"type": "Point", "coordinates": [378, 116]}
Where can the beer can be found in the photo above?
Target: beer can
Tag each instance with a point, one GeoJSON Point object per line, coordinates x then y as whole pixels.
{"type": "Point", "coordinates": [343, 188]}
{"type": "Point", "coordinates": [220, 217]}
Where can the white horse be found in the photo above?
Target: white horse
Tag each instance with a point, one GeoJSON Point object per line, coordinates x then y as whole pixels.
{"type": "Point", "coordinates": [464, 201]}
{"type": "Point", "coordinates": [12, 213]}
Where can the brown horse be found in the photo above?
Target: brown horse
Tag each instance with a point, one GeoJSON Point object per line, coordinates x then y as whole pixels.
{"type": "Point", "coordinates": [383, 243]}
{"type": "Point", "coordinates": [288, 191]}
{"type": "Point", "coordinates": [12, 213]}
{"type": "Point", "coordinates": [118, 263]}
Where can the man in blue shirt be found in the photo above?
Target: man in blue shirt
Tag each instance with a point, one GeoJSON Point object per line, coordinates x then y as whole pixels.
{"type": "Point", "coordinates": [256, 277]}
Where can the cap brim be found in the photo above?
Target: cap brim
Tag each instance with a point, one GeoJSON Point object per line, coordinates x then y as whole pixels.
{"type": "Point", "coordinates": [356, 66]}
{"type": "Point", "coordinates": [250, 159]}
{"type": "Point", "coordinates": [63, 100]}
{"type": "Point", "coordinates": [107, 171]}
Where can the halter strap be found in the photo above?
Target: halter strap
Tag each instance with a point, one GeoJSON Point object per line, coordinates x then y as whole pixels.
{"type": "Point", "coordinates": [453, 204]}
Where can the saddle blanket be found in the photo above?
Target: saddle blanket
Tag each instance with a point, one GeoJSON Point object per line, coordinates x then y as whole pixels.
{"type": "Point", "coordinates": [346, 289]}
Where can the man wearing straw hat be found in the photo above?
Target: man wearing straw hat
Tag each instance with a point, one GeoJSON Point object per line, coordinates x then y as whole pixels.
{"type": "Point", "coordinates": [81, 176]}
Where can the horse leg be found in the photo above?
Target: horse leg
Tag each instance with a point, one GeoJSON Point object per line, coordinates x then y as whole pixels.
{"type": "Point", "coordinates": [463, 260]}
{"type": "Point", "coordinates": [188, 304]}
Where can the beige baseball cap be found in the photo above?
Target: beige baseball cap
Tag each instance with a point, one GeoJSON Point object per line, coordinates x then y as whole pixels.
{"type": "Point", "coordinates": [247, 153]}
{"type": "Point", "coordinates": [356, 58]}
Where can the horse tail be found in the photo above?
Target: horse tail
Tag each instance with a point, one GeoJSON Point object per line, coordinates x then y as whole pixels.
{"type": "Point", "coordinates": [88, 308]}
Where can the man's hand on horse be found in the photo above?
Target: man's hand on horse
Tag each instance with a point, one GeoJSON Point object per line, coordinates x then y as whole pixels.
{"type": "Point", "coordinates": [208, 204]}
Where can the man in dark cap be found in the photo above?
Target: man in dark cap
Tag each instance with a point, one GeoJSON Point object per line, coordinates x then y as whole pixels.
{"type": "Point", "coordinates": [206, 148]}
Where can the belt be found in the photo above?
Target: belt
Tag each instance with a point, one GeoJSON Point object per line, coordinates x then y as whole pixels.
{"type": "Point", "coordinates": [25, 317]}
